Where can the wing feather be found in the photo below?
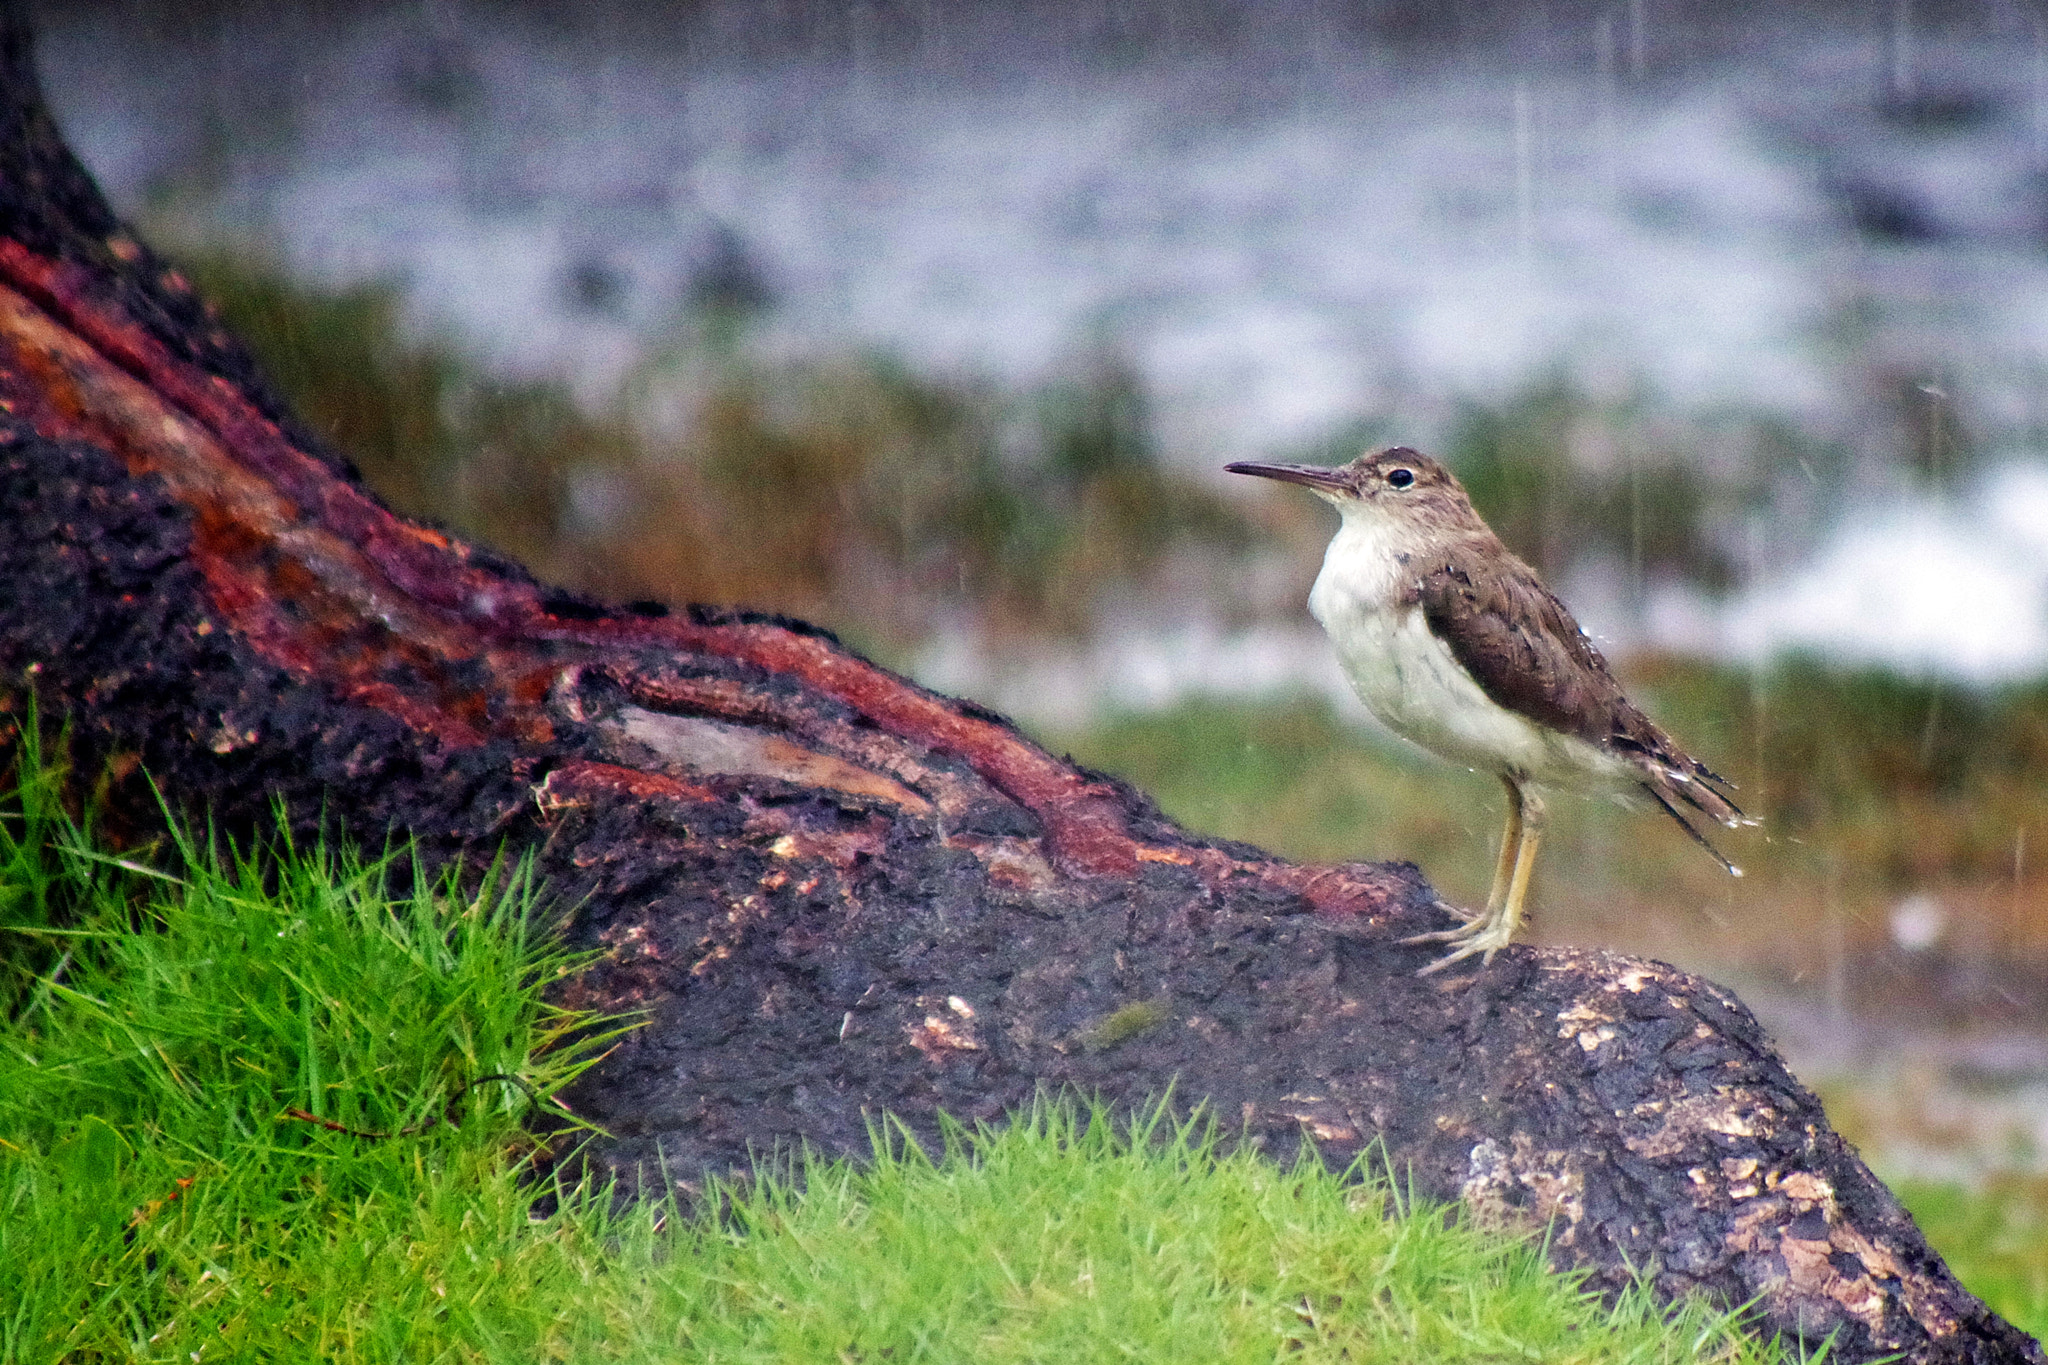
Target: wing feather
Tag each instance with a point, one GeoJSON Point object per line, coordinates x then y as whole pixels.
{"type": "Point", "coordinates": [1529, 655]}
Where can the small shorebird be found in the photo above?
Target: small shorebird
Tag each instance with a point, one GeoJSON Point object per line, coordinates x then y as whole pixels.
{"type": "Point", "coordinates": [1457, 646]}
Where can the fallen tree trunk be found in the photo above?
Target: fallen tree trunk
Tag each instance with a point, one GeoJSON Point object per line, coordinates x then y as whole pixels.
{"type": "Point", "coordinates": [833, 892]}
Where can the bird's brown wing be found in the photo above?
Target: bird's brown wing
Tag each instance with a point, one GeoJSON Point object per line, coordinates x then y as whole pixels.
{"type": "Point", "coordinates": [1527, 653]}
{"type": "Point", "coordinates": [1522, 647]}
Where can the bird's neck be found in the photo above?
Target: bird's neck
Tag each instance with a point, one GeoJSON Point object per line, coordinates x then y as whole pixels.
{"type": "Point", "coordinates": [1370, 566]}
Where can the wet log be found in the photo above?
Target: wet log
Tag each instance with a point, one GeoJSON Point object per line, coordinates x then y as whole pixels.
{"type": "Point", "coordinates": [833, 892]}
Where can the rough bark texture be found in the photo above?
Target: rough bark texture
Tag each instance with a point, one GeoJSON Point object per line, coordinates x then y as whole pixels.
{"type": "Point", "coordinates": [836, 893]}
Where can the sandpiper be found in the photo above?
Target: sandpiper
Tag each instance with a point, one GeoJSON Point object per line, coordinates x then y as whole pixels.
{"type": "Point", "coordinates": [1457, 646]}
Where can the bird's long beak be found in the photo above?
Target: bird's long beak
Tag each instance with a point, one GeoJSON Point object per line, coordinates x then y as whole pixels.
{"type": "Point", "coordinates": [1308, 475]}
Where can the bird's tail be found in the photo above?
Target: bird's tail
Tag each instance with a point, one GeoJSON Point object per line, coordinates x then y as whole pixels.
{"type": "Point", "coordinates": [1705, 791]}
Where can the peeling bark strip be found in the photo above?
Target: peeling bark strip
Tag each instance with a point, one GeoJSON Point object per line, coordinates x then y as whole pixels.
{"type": "Point", "coordinates": [833, 892]}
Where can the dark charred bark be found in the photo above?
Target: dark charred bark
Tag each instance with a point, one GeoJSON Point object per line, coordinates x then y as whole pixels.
{"type": "Point", "coordinates": [835, 893]}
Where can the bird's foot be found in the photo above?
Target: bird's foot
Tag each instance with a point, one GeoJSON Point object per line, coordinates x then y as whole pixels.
{"type": "Point", "coordinates": [1465, 918]}
{"type": "Point", "coordinates": [1481, 933]}
{"type": "Point", "coordinates": [1483, 946]}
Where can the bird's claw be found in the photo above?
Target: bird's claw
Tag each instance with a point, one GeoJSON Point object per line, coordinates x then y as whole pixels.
{"type": "Point", "coordinates": [1478, 933]}
{"type": "Point", "coordinates": [1482, 946]}
{"type": "Point", "coordinates": [1465, 918]}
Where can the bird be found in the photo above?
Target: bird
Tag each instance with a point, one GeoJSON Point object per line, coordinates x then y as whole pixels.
{"type": "Point", "coordinates": [1456, 645]}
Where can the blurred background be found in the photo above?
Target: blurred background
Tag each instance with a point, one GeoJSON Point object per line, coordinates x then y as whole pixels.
{"type": "Point", "coordinates": [934, 323]}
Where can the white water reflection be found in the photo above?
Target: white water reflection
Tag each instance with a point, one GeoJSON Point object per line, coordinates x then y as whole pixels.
{"type": "Point", "coordinates": [1290, 226]}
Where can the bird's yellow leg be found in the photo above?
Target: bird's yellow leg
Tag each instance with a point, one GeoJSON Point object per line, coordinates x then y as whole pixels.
{"type": "Point", "coordinates": [1510, 848]}
{"type": "Point", "coordinates": [1503, 871]}
{"type": "Point", "coordinates": [1518, 890]}
{"type": "Point", "coordinates": [1489, 933]}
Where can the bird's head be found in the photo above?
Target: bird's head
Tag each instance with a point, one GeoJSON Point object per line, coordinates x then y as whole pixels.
{"type": "Point", "coordinates": [1396, 485]}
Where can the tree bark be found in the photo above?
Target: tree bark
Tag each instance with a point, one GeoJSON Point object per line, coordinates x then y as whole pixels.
{"type": "Point", "coordinates": [833, 892]}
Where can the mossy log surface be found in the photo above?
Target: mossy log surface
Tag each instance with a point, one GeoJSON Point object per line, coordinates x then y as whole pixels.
{"type": "Point", "coordinates": [831, 892]}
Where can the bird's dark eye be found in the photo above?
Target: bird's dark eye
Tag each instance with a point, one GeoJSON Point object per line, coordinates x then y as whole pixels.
{"type": "Point", "coordinates": [1402, 477]}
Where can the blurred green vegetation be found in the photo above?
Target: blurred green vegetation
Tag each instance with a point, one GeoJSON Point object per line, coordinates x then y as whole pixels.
{"type": "Point", "coordinates": [1992, 1230]}
{"type": "Point", "coordinates": [847, 491]}
{"type": "Point", "coordinates": [1994, 1238]}
{"type": "Point", "coordinates": [878, 502]}
{"type": "Point", "coordinates": [1868, 787]}
{"type": "Point", "coordinates": [856, 494]}
{"type": "Point", "coordinates": [1560, 477]}
{"type": "Point", "coordinates": [1910, 782]}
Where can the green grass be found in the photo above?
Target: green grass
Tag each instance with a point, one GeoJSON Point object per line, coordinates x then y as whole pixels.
{"type": "Point", "coordinates": [181, 1054]}
{"type": "Point", "coordinates": [1064, 1238]}
{"type": "Point", "coordinates": [187, 1037]}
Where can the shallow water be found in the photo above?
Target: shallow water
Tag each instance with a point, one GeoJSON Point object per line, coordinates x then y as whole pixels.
{"type": "Point", "coordinates": [1289, 224]}
{"type": "Point", "coordinates": [1293, 225]}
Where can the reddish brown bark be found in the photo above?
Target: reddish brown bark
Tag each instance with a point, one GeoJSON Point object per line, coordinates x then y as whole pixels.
{"type": "Point", "coordinates": [834, 892]}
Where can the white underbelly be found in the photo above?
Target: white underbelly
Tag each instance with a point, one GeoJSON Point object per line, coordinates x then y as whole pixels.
{"type": "Point", "coordinates": [1413, 684]}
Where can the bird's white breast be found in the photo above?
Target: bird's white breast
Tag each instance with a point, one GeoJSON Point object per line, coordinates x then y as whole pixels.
{"type": "Point", "coordinates": [1415, 686]}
